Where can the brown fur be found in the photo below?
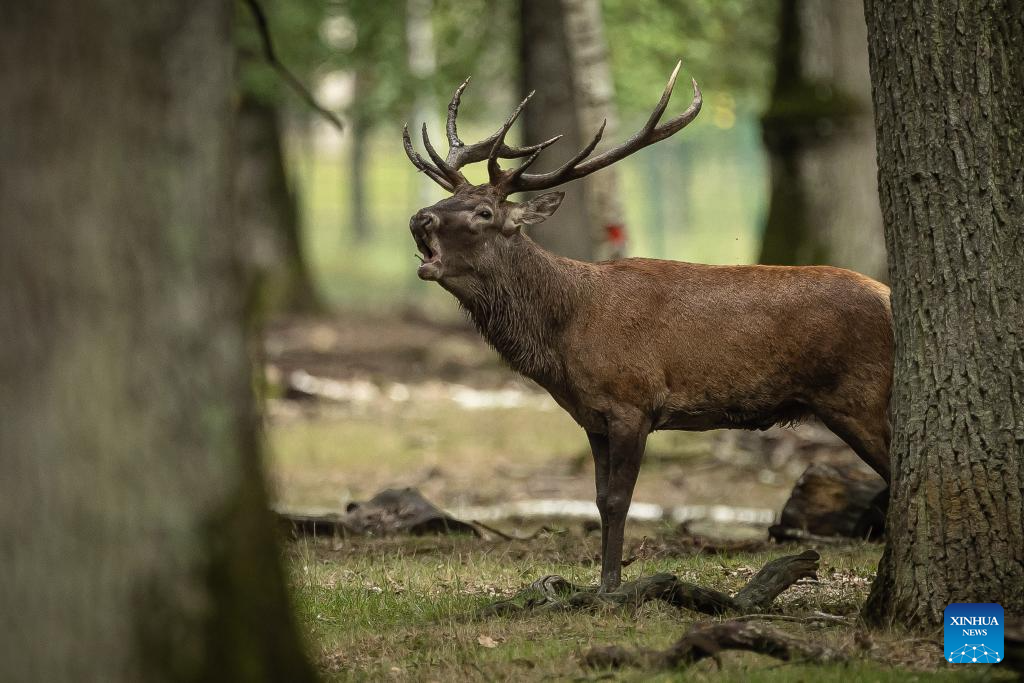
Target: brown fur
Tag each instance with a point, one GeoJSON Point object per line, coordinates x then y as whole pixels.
{"type": "Point", "coordinates": [637, 345]}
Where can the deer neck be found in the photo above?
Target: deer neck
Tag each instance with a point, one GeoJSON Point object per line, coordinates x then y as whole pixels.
{"type": "Point", "coordinates": [521, 301]}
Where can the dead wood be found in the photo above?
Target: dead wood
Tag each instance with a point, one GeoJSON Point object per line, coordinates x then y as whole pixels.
{"type": "Point", "coordinates": [833, 501]}
{"type": "Point", "coordinates": [554, 593]}
{"type": "Point", "coordinates": [390, 512]}
{"type": "Point", "coordinates": [708, 640]}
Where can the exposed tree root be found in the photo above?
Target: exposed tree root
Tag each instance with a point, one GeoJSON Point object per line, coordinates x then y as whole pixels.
{"type": "Point", "coordinates": [553, 593]}
{"type": "Point", "coordinates": [708, 640]}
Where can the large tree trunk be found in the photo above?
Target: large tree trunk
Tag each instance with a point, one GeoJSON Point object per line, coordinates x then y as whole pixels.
{"type": "Point", "coordinates": [268, 213]}
{"type": "Point", "coordinates": [947, 89]}
{"type": "Point", "coordinates": [595, 103]}
{"type": "Point", "coordinates": [546, 68]}
{"type": "Point", "coordinates": [820, 137]}
{"type": "Point", "coordinates": [136, 540]}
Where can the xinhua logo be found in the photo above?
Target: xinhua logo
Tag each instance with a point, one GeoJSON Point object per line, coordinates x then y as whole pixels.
{"type": "Point", "coordinates": [973, 633]}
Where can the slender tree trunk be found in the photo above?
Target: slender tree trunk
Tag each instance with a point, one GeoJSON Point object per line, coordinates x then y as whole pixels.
{"type": "Point", "coordinates": [546, 68]}
{"type": "Point", "coordinates": [268, 213]}
{"type": "Point", "coordinates": [422, 65]}
{"type": "Point", "coordinates": [820, 137]}
{"type": "Point", "coordinates": [595, 103]}
{"type": "Point", "coordinates": [136, 540]}
{"type": "Point", "coordinates": [359, 130]}
{"type": "Point", "coordinates": [947, 90]}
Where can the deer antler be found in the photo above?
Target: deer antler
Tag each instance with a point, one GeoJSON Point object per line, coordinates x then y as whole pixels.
{"type": "Point", "coordinates": [446, 173]}
{"type": "Point", "coordinates": [576, 167]}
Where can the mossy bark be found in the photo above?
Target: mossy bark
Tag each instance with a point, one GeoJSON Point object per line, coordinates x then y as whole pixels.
{"type": "Point", "coordinates": [947, 90]}
{"type": "Point", "coordinates": [134, 532]}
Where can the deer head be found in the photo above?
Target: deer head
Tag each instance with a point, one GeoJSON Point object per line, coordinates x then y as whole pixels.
{"type": "Point", "coordinates": [457, 235]}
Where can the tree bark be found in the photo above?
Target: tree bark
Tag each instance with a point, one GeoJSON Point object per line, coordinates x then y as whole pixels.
{"type": "Point", "coordinates": [595, 103]}
{"type": "Point", "coordinates": [268, 213]}
{"type": "Point", "coordinates": [136, 540]}
{"type": "Point", "coordinates": [546, 68]}
{"type": "Point", "coordinates": [820, 138]}
{"type": "Point", "coordinates": [947, 90]}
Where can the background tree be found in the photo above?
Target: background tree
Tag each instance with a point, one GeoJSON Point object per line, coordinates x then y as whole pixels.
{"type": "Point", "coordinates": [546, 67]}
{"type": "Point", "coordinates": [820, 137]}
{"type": "Point", "coordinates": [266, 194]}
{"type": "Point", "coordinates": [136, 538]}
{"type": "Point", "coordinates": [947, 97]}
{"type": "Point", "coordinates": [595, 106]}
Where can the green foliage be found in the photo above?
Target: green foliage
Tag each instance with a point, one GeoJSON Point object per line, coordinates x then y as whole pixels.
{"type": "Point", "coordinates": [725, 44]}
{"type": "Point", "coordinates": [295, 26]}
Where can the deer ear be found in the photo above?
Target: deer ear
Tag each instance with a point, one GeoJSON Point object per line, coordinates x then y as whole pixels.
{"type": "Point", "coordinates": [534, 211]}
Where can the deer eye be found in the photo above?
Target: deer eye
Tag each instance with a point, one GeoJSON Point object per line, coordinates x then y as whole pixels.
{"type": "Point", "coordinates": [485, 214]}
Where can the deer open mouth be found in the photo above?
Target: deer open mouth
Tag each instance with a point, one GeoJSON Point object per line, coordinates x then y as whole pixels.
{"type": "Point", "coordinates": [430, 258]}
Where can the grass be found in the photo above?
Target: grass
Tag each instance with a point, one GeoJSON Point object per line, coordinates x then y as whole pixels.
{"type": "Point", "coordinates": [401, 609]}
{"type": "Point", "coordinates": [400, 447]}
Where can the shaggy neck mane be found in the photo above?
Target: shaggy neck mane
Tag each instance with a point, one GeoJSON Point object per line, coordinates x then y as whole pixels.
{"type": "Point", "coordinates": [521, 302]}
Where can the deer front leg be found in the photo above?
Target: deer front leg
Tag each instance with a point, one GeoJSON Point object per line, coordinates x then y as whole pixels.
{"type": "Point", "coordinates": [626, 442]}
{"type": "Point", "coordinates": [599, 448]}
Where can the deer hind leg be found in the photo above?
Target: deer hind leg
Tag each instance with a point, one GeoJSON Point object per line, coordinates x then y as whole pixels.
{"type": "Point", "coordinates": [627, 439]}
{"type": "Point", "coordinates": [868, 435]}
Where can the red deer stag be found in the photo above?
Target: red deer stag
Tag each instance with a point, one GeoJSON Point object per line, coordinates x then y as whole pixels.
{"type": "Point", "coordinates": [636, 345]}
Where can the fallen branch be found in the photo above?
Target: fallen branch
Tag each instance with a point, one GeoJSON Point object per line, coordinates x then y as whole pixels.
{"type": "Point", "coordinates": [708, 640]}
{"type": "Point", "coordinates": [814, 618]}
{"type": "Point", "coordinates": [511, 537]}
{"type": "Point", "coordinates": [553, 593]}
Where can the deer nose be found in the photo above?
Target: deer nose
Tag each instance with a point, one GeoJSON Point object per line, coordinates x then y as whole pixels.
{"type": "Point", "coordinates": [424, 220]}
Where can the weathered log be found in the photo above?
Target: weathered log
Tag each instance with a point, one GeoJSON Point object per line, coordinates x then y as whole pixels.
{"type": "Point", "coordinates": [831, 500]}
{"type": "Point", "coordinates": [390, 512]}
{"type": "Point", "coordinates": [553, 593]}
{"type": "Point", "coordinates": [708, 640]}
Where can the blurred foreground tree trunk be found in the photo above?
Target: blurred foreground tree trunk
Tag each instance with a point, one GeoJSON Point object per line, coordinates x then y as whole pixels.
{"type": "Point", "coordinates": [134, 530]}
{"type": "Point", "coordinates": [595, 103]}
{"type": "Point", "coordinates": [268, 214]}
{"type": "Point", "coordinates": [546, 67]}
{"type": "Point", "coordinates": [821, 141]}
{"type": "Point", "coordinates": [947, 90]}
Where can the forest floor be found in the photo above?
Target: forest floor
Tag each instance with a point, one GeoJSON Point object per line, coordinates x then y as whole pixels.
{"type": "Point", "coordinates": [360, 404]}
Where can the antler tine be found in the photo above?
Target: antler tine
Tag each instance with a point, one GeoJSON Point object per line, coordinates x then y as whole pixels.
{"type": "Point", "coordinates": [518, 171]}
{"type": "Point", "coordinates": [689, 114]}
{"type": "Point", "coordinates": [421, 164]}
{"type": "Point", "coordinates": [461, 154]}
{"type": "Point", "coordinates": [666, 95]}
{"type": "Point", "coordinates": [453, 114]}
{"type": "Point", "coordinates": [650, 133]}
{"type": "Point", "coordinates": [452, 174]}
{"type": "Point", "coordinates": [499, 142]}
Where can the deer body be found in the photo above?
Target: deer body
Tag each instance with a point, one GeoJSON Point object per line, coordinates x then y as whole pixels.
{"type": "Point", "coordinates": [691, 346]}
{"type": "Point", "coordinates": [637, 345]}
